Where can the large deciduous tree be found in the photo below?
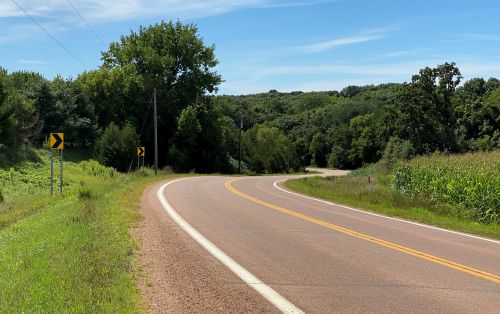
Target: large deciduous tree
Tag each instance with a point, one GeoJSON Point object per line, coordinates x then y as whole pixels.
{"type": "Point", "coordinates": [426, 113]}
{"type": "Point", "coordinates": [200, 142]}
{"type": "Point", "coordinates": [171, 58]}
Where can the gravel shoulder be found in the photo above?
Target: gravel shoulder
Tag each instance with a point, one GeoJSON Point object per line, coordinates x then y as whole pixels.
{"type": "Point", "coordinates": [176, 275]}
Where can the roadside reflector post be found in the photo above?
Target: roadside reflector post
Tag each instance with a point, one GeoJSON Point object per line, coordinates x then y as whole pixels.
{"type": "Point", "coordinates": [369, 185]}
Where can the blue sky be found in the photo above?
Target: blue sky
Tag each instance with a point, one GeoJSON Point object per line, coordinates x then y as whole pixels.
{"type": "Point", "coordinates": [286, 45]}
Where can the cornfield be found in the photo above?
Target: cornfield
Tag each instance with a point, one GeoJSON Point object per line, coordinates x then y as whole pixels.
{"type": "Point", "coordinates": [470, 181]}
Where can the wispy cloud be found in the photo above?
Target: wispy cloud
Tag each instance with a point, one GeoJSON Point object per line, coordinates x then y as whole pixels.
{"type": "Point", "coordinates": [363, 36]}
{"type": "Point", "coordinates": [58, 14]}
{"type": "Point", "coordinates": [20, 32]}
{"type": "Point", "coordinates": [339, 42]}
{"type": "Point", "coordinates": [289, 4]}
{"type": "Point", "coordinates": [323, 77]}
{"type": "Point", "coordinates": [385, 69]}
{"type": "Point", "coordinates": [114, 10]}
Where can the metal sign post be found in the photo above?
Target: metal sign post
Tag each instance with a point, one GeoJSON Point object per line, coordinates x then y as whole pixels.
{"type": "Point", "coordinates": [51, 172]}
{"type": "Point", "coordinates": [61, 170]}
{"type": "Point", "coordinates": [56, 141]}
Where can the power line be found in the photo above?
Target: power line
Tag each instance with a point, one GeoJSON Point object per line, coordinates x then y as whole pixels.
{"type": "Point", "coordinates": [84, 21]}
{"type": "Point", "coordinates": [49, 34]}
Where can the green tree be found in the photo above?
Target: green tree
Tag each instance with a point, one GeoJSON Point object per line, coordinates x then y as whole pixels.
{"type": "Point", "coordinates": [319, 149]}
{"type": "Point", "coordinates": [117, 95]}
{"type": "Point", "coordinates": [18, 118]}
{"type": "Point", "coordinates": [340, 139]}
{"type": "Point", "coordinates": [265, 149]}
{"type": "Point", "coordinates": [117, 146]}
{"type": "Point", "coordinates": [171, 58]}
{"type": "Point", "coordinates": [478, 110]}
{"type": "Point", "coordinates": [366, 146]}
{"type": "Point", "coordinates": [200, 142]}
{"type": "Point", "coordinates": [426, 115]}
{"type": "Point", "coordinates": [72, 113]}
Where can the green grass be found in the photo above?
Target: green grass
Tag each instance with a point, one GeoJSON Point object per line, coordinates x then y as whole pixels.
{"type": "Point", "coordinates": [70, 253]}
{"type": "Point", "coordinates": [355, 191]}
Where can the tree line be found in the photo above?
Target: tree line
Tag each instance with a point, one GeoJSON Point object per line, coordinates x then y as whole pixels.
{"type": "Point", "coordinates": [110, 111]}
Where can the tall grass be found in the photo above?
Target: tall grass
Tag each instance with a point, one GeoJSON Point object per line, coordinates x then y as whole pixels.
{"type": "Point", "coordinates": [70, 252]}
{"type": "Point", "coordinates": [470, 181]}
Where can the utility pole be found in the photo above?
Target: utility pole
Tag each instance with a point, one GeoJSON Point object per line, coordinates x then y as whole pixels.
{"type": "Point", "coordinates": [241, 128]}
{"type": "Point", "coordinates": [289, 151]}
{"type": "Point", "coordinates": [156, 131]}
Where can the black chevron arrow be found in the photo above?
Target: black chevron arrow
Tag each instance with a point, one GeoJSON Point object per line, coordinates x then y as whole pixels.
{"type": "Point", "coordinates": [141, 151]}
{"type": "Point", "coordinates": [58, 140]}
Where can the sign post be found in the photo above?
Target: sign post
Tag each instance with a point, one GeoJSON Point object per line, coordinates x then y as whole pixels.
{"type": "Point", "coordinates": [56, 141]}
{"type": "Point", "coordinates": [141, 152]}
{"type": "Point", "coordinates": [61, 170]}
{"type": "Point", "coordinates": [51, 172]}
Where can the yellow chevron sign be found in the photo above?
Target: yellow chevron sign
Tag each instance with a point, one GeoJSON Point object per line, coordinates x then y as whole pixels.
{"type": "Point", "coordinates": [56, 141]}
{"type": "Point", "coordinates": [141, 151]}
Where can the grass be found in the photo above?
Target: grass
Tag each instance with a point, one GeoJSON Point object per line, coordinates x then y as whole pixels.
{"type": "Point", "coordinates": [381, 197]}
{"type": "Point", "coordinates": [70, 252]}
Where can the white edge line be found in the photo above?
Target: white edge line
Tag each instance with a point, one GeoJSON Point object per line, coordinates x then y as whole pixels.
{"type": "Point", "coordinates": [264, 290]}
{"type": "Point", "coordinates": [275, 184]}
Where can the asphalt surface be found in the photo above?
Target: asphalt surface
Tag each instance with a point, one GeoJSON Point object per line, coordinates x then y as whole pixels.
{"type": "Point", "coordinates": [320, 257]}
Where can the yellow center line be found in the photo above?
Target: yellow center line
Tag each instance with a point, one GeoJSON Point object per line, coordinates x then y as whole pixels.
{"type": "Point", "coordinates": [394, 246]}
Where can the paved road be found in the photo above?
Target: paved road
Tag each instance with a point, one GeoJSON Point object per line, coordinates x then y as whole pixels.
{"type": "Point", "coordinates": [323, 258]}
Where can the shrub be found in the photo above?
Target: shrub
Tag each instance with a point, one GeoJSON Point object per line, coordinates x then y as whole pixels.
{"type": "Point", "coordinates": [398, 149]}
{"type": "Point", "coordinates": [85, 193]}
{"type": "Point", "coordinates": [117, 146]}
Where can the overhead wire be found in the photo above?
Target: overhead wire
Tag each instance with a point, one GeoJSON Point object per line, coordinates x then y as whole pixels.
{"type": "Point", "coordinates": [49, 34]}
{"type": "Point", "coordinates": [85, 22]}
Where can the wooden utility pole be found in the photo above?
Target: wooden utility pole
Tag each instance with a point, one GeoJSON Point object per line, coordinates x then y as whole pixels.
{"type": "Point", "coordinates": [156, 131]}
{"type": "Point", "coordinates": [241, 128]}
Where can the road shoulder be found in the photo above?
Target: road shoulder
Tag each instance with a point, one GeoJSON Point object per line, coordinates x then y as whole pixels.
{"type": "Point", "coordinates": [177, 275]}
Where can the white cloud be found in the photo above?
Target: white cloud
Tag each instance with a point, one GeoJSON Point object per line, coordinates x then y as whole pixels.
{"type": "Point", "coordinates": [365, 35]}
{"type": "Point", "coordinates": [21, 32]}
{"type": "Point", "coordinates": [324, 77]}
{"type": "Point", "coordinates": [101, 11]}
{"type": "Point", "coordinates": [387, 69]}
{"type": "Point", "coordinates": [339, 42]}
{"type": "Point", "coordinates": [57, 15]}
{"type": "Point", "coordinates": [277, 4]}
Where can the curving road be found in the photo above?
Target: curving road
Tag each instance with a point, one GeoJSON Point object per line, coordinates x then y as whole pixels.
{"type": "Point", "coordinates": [278, 251]}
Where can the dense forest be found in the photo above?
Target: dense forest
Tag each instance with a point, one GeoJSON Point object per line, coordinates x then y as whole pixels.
{"type": "Point", "coordinates": [109, 111]}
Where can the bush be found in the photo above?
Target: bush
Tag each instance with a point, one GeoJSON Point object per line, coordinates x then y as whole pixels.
{"type": "Point", "coordinates": [395, 150]}
{"type": "Point", "coordinates": [398, 149]}
{"type": "Point", "coordinates": [85, 193]}
{"type": "Point", "coordinates": [2, 199]}
{"type": "Point", "coordinates": [117, 146]}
